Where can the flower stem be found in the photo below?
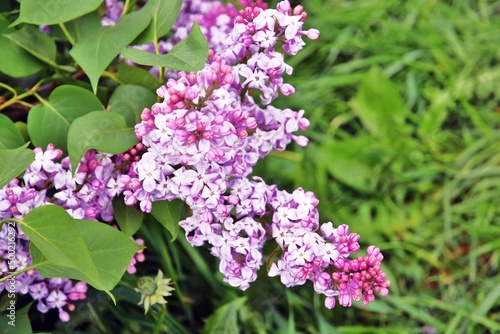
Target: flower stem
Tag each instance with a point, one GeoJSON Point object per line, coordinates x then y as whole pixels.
{"type": "Point", "coordinates": [67, 34]}
{"type": "Point", "coordinates": [160, 319]}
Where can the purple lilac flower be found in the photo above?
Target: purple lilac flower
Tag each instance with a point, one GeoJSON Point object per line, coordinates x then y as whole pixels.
{"type": "Point", "coordinates": [204, 138]}
{"type": "Point", "coordinates": [85, 195]}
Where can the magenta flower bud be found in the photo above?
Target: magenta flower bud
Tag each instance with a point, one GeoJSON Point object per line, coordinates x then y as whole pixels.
{"type": "Point", "coordinates": [284, 7]}
{"type": "Point", "coordinates": [208, 135]}
{"type": "Point", "coordinates": [135, 184]}
{"type": "Point", "coordinates": [343, 230]}
{"type": "Point", "coordinates": [63, 315]}
{"type": "Point", "coordinates": [242, 133]}
{"type": "Point", "coordinates": [345, 300]}
{"type": "Point", "coordinates": [323, 279]}
{"type": "Point", "coordinates": [208, 217]}
{"type": "Point", "coordinates": [298, 10]}
{"type": "Point", "coordinates": [82, 168]}
{"type": "Point", "coordinates": [174, 98]}
{"type": "Point", "coordinates": [302, 275]}
{"type": "Point", "coordinates": [222, 210]}
{"type": "Point", "coordinates": [330, 302]}
{"type": "Point", "coordinates": [312, 33]}
{"type": "Point", "coordinates": [301, 140]}
{"type": "Point", "coordinates": [146, 205]}
{"type": "Point", "coordinates": [192, 78]}
{"type": "Point", "coordinates": [215, 154]}
{"type": "Point", "coordinates": [236, 116]}
{"type": "Point", "coordinates": [156, 109]}
{"type": "Point", "coordinates": [251, 123]}
{"type": "Point", "coordinates": [81, 287]}
{"type": "Point", "coordinates": [13, 198]}
{"type": "Point", "coordinates": [191, 139]}
{"type": "Point", "coordinates": [161, 91]}
{"type": "Point", "coordinates": [14, 210]}
{"type": "Point", "coordinates": [201, 126]}
{"type": "Point", "coordinates": [318, 262]}
{"type": "Point", "coordinates": [287, 89]}
{"type": "Point", "coordinates": [232, 199]}
{"type": "Point", "coordinates": [29, 194]}
{"type": "Point", "coordinates": [141, 129]}
{"type": "Point", "coordinates": [180, 122]}
{"type": "Point", "coordinates": [91, 213]}
{"type": "Point", "coordinates": [146, 116]}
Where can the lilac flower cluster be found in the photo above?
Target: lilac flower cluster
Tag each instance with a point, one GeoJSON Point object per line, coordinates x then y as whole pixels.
{"type": "Point", "coordinates": [202, 142]}
{"type": "Point", "coordinates": [86, 195]}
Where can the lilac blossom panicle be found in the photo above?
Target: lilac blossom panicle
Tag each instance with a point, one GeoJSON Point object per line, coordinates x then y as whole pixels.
{"type": "Point", "coordinates": [85, 195]}
{"type": "Point", "coordinates": [202, 141]}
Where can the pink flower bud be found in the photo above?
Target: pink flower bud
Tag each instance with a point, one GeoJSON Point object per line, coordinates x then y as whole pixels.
{"type": "Point", "coordinates": [287, 89]}
{"type": "Point", "coordinates": [312, 33]}
{"type": "Point", "coordinates": [330, 302]}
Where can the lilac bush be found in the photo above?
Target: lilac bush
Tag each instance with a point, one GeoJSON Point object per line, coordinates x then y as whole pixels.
{"type": "Point", "coordinates": [199, 144]}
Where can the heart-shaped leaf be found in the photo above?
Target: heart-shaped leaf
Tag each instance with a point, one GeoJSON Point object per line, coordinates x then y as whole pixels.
{"type": "Point", "coordinates": [188, 55]}
{"type": "Point", "coordinates": [14, 162]}
{"type": "Point", "coordinates": [101, 130]}
{"type": "Point", "coordinates": [32, 40]}
{"type": "Point", "coordinates": [168, 213]}
{"type": "Point", "coordinates": [129, 218]}
{"type": "Point", "coordinates": [65, 104]}
{"type": "Point", "coordinates": [16, 62]}
{"type": "Point", "coordinates": [138, 76]}
{"type": "Point", "coordinates": [86, 250]}
{"type": "Point", "coordinates": [54, 11]}
{"type": "Point", "coordinates": [95, 52]}
{"type": "Point", "coordinates": [130, 100]}
{"type": "Point", "coordinates": [10, 137]}
{"type": "Point", "coordinates": [164, 14]}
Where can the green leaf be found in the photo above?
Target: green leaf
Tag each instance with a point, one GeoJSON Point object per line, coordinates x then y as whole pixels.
{"type": "Point", "coordinates": [23, 130]}
{"type": "Point", "coordinates": [188, 55]}
{"type": "Point", "coordinates": [16, 62]}
{"type": "Point", "coordinates": [129, 101]}
{"type": "Point", "coordinates": [14, 162]}
{"type": "Point", "coordinates": [19, 323]}
{"type": "Point", "coordinates": [129, 218]}
{"type": "Point", "coordinates": [10, 137]}
{"type": "Point", "coordinates": [164, 14]}
{"type": "Point", "coordinates": [49, 122]}
{"type": "Point", "coordinates": [95, 52]}
{"type": "Point", "coordinates": [379, 105]}
{"type": "Point", "coordinates": [85, 250]}
{"type": "Point", "coordinates": [100, 130]}
{"type": "Point", "coordinates": [78, 28]}
{"type": "Point", "coordinates": [225, 318]}
{"type": "Point", "coordinates": [168, 213]}
{"type": "Point", "coordinates": [138, 76]}
{"type": "Point", "coordinates": [35, 42]}
{"type": "Point", "coordinates": [54, 11]}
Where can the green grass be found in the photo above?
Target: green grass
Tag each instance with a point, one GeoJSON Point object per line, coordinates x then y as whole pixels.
{"type": "Point", "coordinates": [403, 99]}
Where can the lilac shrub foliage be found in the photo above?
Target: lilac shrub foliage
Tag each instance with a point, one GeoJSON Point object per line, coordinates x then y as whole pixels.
{"type": "Point", "coordinates": [199, 144]}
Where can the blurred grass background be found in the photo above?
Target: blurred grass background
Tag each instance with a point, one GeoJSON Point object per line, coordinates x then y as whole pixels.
{"type": "Point", "coordinates": [403, 99]}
